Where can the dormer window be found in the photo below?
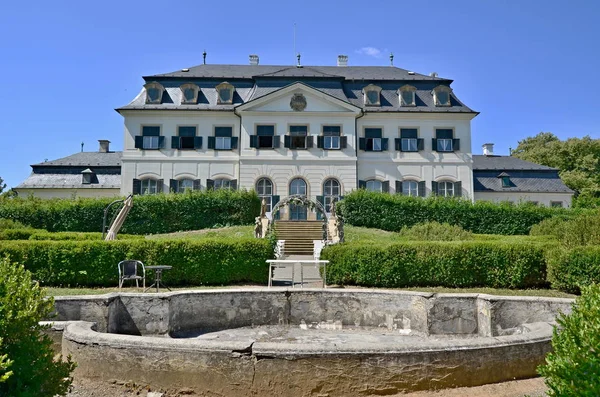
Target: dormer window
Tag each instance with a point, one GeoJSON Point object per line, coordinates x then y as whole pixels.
{"type": "Point", "coordinates": [407, 95]}
{"type": "Point", "coordinates": [372, 95]}
{"type": "Point", "coordinates": [154, 92]}
{"type": "Point", "coordinates": [441, 95]}
{"type": "Point", "coordinates": [224, 93]}
{"type": "Point", "coordinates": [189, 93]}
{"type": "Point", "coordinates": [505, 180]}
{"type": "Point", "coordinates": [87, 176]}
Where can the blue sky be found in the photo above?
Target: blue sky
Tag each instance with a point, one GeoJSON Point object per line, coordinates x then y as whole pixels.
{"type": "Point", "coordinates": [527, 66]}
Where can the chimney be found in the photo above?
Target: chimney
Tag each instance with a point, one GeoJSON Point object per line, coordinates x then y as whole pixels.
{"type": "Point", "coordinates": [488, 149]}
{"type": "Point", "coordinates": [342, 60]}
{"type": "Point", "coordinates": [253, 59]}
{"type": "Point", "coordinates": [104, 148]}
{"type": "Point", "coordinates": [433, 74]}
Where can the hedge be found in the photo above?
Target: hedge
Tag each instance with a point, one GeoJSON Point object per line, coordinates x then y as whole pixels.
{"type": "Point", "coordinates": [569, 270]}
{"type": "Point", "coordinates": [37, 234]}
{"type": "Point", "coordinates": [393, 212]}
{"type": "Point", "coordinates": [151, 214]}
{"type": "Point", "coordinates": [94, 263]}
{"type": "Point", "coordinates": [444, 264]}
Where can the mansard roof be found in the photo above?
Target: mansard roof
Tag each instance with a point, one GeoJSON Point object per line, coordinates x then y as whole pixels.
{"type": "Point", "coordinates": [86, 159]}
{"type": "Point", "coordinates": [254, 81]}
{"type": "Point", "coordinates": [524, 176]}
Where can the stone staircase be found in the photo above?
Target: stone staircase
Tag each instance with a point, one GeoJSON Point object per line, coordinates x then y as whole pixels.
{"type": "Point", "coordinates": [299, 236]}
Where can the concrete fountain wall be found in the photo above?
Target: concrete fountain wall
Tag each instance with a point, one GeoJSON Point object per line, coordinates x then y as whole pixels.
{"type": "Point", "coordinates": [411, 341]}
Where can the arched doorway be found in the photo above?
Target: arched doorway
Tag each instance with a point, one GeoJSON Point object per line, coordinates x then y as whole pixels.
{"type": "Point", "coordinates": [298, 212]}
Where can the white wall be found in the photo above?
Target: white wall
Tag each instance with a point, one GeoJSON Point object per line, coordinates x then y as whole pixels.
{"type": "Point", "coordinates": [515, 197]}
{"type": "Point", "coordinates": [426, 165]}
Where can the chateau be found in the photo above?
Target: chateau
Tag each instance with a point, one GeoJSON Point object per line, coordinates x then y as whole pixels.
{"type": "Point", "coordinates": [319, 131]}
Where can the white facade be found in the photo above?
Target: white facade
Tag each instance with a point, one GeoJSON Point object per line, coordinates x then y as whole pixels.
{"type": "Point", "coordinates": [67, 193]}
{"type": "Point", "coordinates": [545, 199]}
{"type": "Point", "coordinates": [281, 165]}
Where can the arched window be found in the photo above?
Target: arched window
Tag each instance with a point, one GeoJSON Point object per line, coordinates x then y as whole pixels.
{"type": "Point", "coordinates": [297, 212]}
{"type": "Point", "coordinates": [446, 189]}
{"type": "Point", "coordinates": [149, 186]}
{"type": "Point", "coordinates": [331, 193]}
{"type": "Point", "coordinates": [221, 183]}
{"type": "Point", "coordinates": [374, 186]}
{"type": "Point", "coordinates": [298, 186]}
{"type": "Point", "coordinates": [410, 188]}
{"type": "Point", "coordinates": [154, 92]}
{"type": "Point", "coordinates": [264, 188]}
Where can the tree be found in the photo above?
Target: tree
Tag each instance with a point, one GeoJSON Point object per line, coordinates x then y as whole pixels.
{"type": "Point", "coordinates": [2, 185]}
{"type": "Point", "coordinates": [25, 350]}
{"type": "Point", "coordinates": [578, 160]}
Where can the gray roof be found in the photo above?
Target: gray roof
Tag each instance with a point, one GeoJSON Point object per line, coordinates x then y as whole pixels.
{"type": "Point", "coordinates": [254, 81]}
{"type": "Point", "coordinates": [64, 181]}
{"type": "Point", "coordinates": [524, 176]}
{"type": "Point", "coordinates": [87, 159]}
{"type": "Point", "coordinates": [505, 163]}
{"type": "Point", "coordinates": [376, 73]}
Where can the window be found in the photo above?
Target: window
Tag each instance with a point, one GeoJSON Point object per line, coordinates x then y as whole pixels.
{"type": "Point", "coordinates": [185, 184]}
{"type": "Point", "coordinates": [224, 93]}
{"type": "Point", "coordinates": [445, 189]}
{"type": "Point", "coordinates": [298, 186]}
{"type": "Point", "coordinates": [154, 92]}
{"type": "Point", "coordinates": [374, 186]}
{"type": "Point", "coordinates": [444, 142]}
{"type": "Point", "coordinates": [149, 186]}
{"type": "Point", "coordinates": [186, 139]}
{"type": "Point", "coordinates": [506, 181]}
{"type": "Point", "coordinates": [373, 141]}
{"type": "Point", "coordinates": [410, 188]}
{"type": "Point", "coordinates": [86, 176]}
{"type": "Point", "coordinates": [221, 184]}
{"type": "Point", "coordinates": [331, 139]}
{"type": "Point", "coordinates": [556, 204]}
{"type": "Point", "coordinates": [331, 193]}
{"type": "Point", "coordinates": [150, 138]}
{"type": "Point", "coordinates": [223, 139]}
{"type": "Point", "coordinates": [298, 137]}
{"type": "Point", "coordinates": [407, 95]}
{"type": "Point", "coordinates": [372, 95]}
{"type": "Point", "coordinates": [409, 141]}
{"type": "Point", "coordinates": [264, 189]}
{"type": "Point", "coordinates": [441, 95]}
{"type": "Point", "coordinates": [265, 137]}
{"type": "Point", "coordinates": [189, 93]}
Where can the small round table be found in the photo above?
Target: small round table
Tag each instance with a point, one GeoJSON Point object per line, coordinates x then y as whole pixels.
{"type": "Point", "coordinates": [158, 276]}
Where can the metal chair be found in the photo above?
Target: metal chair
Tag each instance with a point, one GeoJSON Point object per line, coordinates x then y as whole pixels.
{"type": "Point", "coordinates": [128, 270]}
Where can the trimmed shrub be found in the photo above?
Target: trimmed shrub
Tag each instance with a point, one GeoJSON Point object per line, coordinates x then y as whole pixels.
{"type": "Point", "coordinates": [393, 212]}
{"type": "Point", "coordinates": [434, 231]}
{"type": "Point", "coordinates": [10, 224]}
{"type": "Point", "coordinates": [569, 270]}
{"type": "Point", "coordinates": [94, 263]}
{"type": "Point", "coordinates": [151, 214]}
{"type": "Point", "coordinates": [34, 371]}
{"type": "Point", "coordinates": [445, 264]}
{"type": "Point", "coordinates": [573, 366]}
{"type": "Point", "coordinates": [37, 234]}
{"type": "Point", "coordinates": [581, 230]}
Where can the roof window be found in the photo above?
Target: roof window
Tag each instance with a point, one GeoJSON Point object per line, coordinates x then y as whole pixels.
{"type": "Point", "coordinates": [154, 92]}
{"type": "Point", "coordinates": [224, 93]}
{"type": "Point", "coordinates": [441, 95]}
{"type": "Point", "coordinates": [189, 93]}
{"type": "Point", "coordinates": [372, 95]}
{"type": "Point", "coordinates": [407, 95]}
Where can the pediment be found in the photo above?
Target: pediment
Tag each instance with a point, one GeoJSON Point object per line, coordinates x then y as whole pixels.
{"type": "Point", "coordinates": [298, 98]}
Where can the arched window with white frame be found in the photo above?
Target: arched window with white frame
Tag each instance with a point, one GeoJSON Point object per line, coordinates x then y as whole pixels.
{"type": "Point", "coordinates": [264, 189]}
{"type": "Point", "coordinates": [331, 193]}
{"type": "Point", "coordinates": [445, 188]}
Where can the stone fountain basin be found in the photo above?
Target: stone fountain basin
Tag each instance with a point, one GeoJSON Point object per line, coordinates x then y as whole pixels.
{"type": "Point", "coordinates": [308, 341]}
